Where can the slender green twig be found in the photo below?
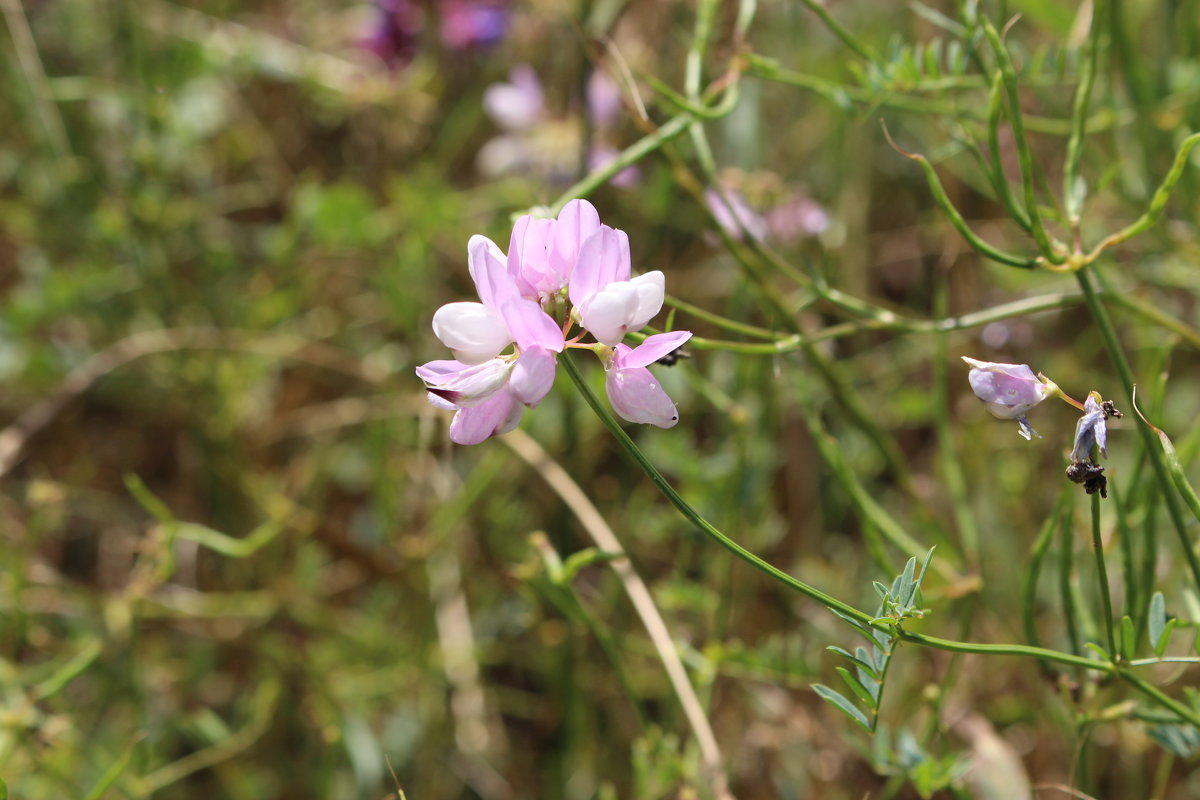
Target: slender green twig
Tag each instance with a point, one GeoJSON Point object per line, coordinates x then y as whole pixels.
{"type": "Point", "coordinates": [998, 178]}
{"type": "Point", "coordinates": [1157, 459]}
{"type": "Point", "coordinates": [830, 602]}
{"type": "Point", "coordinates": [1157, 204]}
{"type": "Point", "coordinates": [838, 30]}
{"type": "Point", "coordinates": [1037, 554]}
{"type": "Point", "coordinates": [1102, 576]}
{"type": "Point", "coordinates": [1049, 250]}
{"type": "Point", "coordinates": [1072, 194]}
{"type": "Point", "coordinates": [956, 218]}
{"type": "Point", "coordinates": [627, 157]}
{"type": "Point", "coordinates": [1066, 551]}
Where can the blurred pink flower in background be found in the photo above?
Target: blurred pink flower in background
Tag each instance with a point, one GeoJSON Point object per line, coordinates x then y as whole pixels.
{"type": "Point", "coordinates": [533, 140]}
{"type": "Point", "coordinates": [394, 34]}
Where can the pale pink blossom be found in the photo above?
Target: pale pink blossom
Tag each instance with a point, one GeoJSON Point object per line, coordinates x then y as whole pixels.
{"type": "Point", "coordinates": [635, 394]}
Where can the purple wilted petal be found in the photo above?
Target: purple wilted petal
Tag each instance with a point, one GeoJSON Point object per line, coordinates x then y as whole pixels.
{"type": "Point", "coordinates": [532, 376]}
{"type": "Point", "coordinates": [499, 414]}
{"type": "Point", "coordinates": [1090, 430]}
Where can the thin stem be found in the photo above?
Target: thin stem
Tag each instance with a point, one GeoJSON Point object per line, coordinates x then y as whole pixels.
{"type": "Point", "coordinates": [602, 535]}
{"type": "Point", "coordinates": [1153, 448]}
{"type": "Point", "coordinates": [630, 155]}
{"type": "Point", "coordinates": [1072, 195]}
{"type": "Point", "coordinates": [1102, 575]}
{"type": "Point", "coordinates": [840, 31]}
{"type": "Point", "coordinates": [1065, 559]}
{"type": "Point", "coordinates": [691, 514]}
{"type": "Point", "coordinates": [824, 599]}
{"type": "Point", "coordinates": [1024, 156]}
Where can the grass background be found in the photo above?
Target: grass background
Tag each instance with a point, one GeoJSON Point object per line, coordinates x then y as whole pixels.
{"type": "Point", "coordinates": [240, 558]}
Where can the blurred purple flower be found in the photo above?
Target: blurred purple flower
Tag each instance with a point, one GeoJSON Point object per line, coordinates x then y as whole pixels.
{"type": "Point", "coordinates": [467, 24]}
{"type": "Point", "coordinates": [395, 32]}
{"type": "Point", "coordinates": [735, 216]}
{"type": "Point", "coordinates": [797, 218]}
{"type": "Point", "coordinates": [518, 104]}
{"type": "Point", "coordinates": [464, 24]}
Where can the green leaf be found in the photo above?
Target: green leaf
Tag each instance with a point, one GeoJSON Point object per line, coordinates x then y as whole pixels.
{"type": "Point", "coordinates": [857, 660]}
{"type": "Point", "coordinates": [843, 704]}
{"type": "Point", "coordinates": [1165, 639]}
{"type": "Point", "coordinates": [1157, 618]}
{"type": "Point", "coordinates": [1098, 650]}
{"type": "Point", "coordinates": [1157, 621]}
{"type": "Point", "coordinates": [857, 687]}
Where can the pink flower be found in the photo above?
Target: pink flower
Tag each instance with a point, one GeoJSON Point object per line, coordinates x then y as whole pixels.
{"type": "Point", "coordinates": [542, 252]}
{"type": "Point", "coordinates": [519, 104]}
{"type": "Point", "coordinates": [1009, 390]}
{"type": "Point", "coordinates": [488, 390]}
{"type": "Point", "coordinates": [634, 393]}
{"type": "Point", "coordinates": [608, 302]}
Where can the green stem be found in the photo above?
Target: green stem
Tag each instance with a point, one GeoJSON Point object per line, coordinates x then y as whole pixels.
{"type": "Point", "coordinates": [824, 599]}
{"type": "Point", "coordinates": [1065, 559]}
{"type": "Point", "coordinates": [1072, 197]}
{"type": "Point", "coordinates": [1024, 156]}
{"type": "Point", "coordinates": [1102, 576]}
{"type": "Point", "coordinates": [1037, 555]}
{"type": "Point", "coordinates": [630, 155]}
{"type": "Point", "coordinates": [840, 31]}
{"type": "Point", "coordinates": [690, 513]}
{"type": "Point", "coordinates": [1152, 446]}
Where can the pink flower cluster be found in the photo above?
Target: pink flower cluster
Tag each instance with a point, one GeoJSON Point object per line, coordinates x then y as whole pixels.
{"type": "Point", "coordinates": [573, 256]}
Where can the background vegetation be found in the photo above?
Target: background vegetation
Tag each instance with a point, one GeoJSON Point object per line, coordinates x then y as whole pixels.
{"type": "Point", "coordinates": [241, 559]}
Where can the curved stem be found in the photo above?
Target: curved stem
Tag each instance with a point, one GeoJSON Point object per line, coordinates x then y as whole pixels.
{"type": "Point", "coordinates": [1102, 575]}
{"type": "Point", "coordinates": [691, 514]}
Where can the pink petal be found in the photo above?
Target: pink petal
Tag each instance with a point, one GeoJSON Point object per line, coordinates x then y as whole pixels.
{"type": "Point", "coordinates": [576, 222]}
{"type": "Point", "coordinates": [650, 350]}
{"type": "Point", "coordinates": [465, 385]}
{"type": "Point", "coordinates": [499, 414]}
{"type": "Point", "coordinates": [532, 376]}
{"type": "Point", "coordinates": [636, 396]}
{"type": "Point", "coordinates": [489, 269]}
{"type": "Point", "coordinates": [529, 257]}
{"type": "Point", "coordinates": [530, 326]}
{"type": "Point", "coordinates": [603, 259]}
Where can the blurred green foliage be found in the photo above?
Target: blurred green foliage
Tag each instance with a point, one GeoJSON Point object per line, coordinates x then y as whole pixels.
{"type": "Point", "coordinates": [241, 560]}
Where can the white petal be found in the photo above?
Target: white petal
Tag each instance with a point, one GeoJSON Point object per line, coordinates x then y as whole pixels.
{"type": "Point", "coordinates": [472, 331]}
{"type": "Point", "coordinates": [651, 289]}
{"type": "Point", "coordinates": [608, 312]}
